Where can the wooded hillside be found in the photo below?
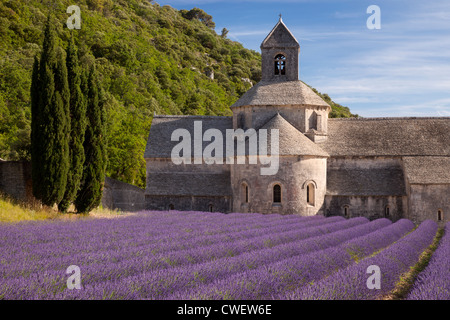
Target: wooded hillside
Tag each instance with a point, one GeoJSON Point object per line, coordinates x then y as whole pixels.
{"type": "Point", "coordinates": [150, 59]}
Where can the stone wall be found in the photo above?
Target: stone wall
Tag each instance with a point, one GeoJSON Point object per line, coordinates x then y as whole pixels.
{"type": "Point", "coordinates": [15, 180]}
{"type": "Point", "coordinates": [294, 174]}
{"type": "Point", "coordinates": [370, 187]}
{"type": "Point", "coordinates": [187, 187]}
{"type": "Point", "coordinates": [122, 196]}
{"type": "Point", "coordinates": [426, 200]}
{"type": "Point", "coordinates": [371, 207]}
{"type": "Point", "coordinates": [291, 63]}
{"type": "Point", "coordinates": [365, 176]}
{"type": "Point", "coordinates": [189, 203]}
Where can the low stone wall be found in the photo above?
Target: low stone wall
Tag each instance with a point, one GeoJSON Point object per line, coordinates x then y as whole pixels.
{"type": "Point", "coordinates": [15, 180]}
{"type": "Point", "coordinates": [189, 203]}
{"type": "Point", "coordinates": [371, 207]}
{"type": "Point", "coordinates": [122, 196]}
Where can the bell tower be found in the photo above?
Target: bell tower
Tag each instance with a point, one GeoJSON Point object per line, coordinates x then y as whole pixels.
{"type": "Point", "coordinates": [281, 92]}
{"type": "Point", "coordinates": [280, 51]}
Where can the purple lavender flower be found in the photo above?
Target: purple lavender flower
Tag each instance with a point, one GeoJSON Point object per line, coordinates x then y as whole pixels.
{"type": "Point", "coordinates": [433, 283]}
{"type": "Point", "coordinates": [351, 283]}
{"type": "Point", "coordinates": [272, 279]}
{"type": "Point", "coordinates": [167, 255]}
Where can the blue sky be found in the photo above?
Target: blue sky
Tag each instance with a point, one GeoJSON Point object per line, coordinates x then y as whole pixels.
{"type": "Point", "coordinates": [402, 69]}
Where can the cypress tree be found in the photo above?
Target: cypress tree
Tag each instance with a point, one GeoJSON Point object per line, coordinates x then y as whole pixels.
{"type": "Point", "coordinates": [36, 128]}
{"type": "Point", "coordinates": [91, 190]}
{"type": "Point", "coordinates": [77, 127]}
{"type": "Point", "coordinates": [50, 132]}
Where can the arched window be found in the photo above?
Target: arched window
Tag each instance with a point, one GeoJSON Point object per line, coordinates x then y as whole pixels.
{"type": "Point", "coordinates": [440, 215]}
{"type": "Point", "coordinates": [310, 190]}
{"type": "Point", "coordinates": [171, 207]}
{"type": "Point", "coordinates": [280, 64]}
{"type": "Point", "coordinates": [346, 207]}
{"type": "Point", "coordinates": [210, 208]}
{"type": "Point", "coordinates": [387, 212]}
{"type": "Point", "coordinates": [276, 193]}
{"type": "Point", "coordinates": [313, 120]}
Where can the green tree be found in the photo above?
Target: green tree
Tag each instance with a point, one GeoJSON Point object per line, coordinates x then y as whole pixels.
{"type": "Point", "coordinates": [36, 127]}
{"type": "Point", "coordinates": [200, 15]}
{"type": "Point", "coordinates": [127, 56]}
{"type": "Point", "coordinates": [90, 193]}
{"type": "Point", "coordinates": [51, 124]}
{"type": "Point", "coordinates": [77, 127]}
{"type": "Point", "coordinates": [224, 33]}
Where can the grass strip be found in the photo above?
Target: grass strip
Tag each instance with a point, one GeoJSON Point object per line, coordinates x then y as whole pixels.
{"type": "Point", "coordinates": [407, 280]}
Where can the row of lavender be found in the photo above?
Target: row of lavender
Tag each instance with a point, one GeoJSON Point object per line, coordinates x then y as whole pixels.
{"type": "Point", "coordinates": [101, 242]}
{"type": "Point", "coordinates": [271, 280]}
{"type": "Point", "coordinates": [350, 283]}
{"type": "Point", "coordinates": [34, 256]}
{"type": "Point", "coordinates": [434, 282]}
{"type": "Point", "coordinates": [186, 255]}
{"type": "Point", "coordinates": [161, 284]}
{"type": "Point", "coordinates": [90, 236]}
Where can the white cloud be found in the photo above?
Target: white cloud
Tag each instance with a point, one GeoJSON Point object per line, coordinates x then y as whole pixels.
{"type": "Point", "coordinates": [402, 69]}
{"type": "Point", "coordinates": [434, 108]}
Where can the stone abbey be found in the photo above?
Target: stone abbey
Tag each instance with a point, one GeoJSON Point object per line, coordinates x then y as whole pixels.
{"type": "Point", "coordinates": [372, 167]}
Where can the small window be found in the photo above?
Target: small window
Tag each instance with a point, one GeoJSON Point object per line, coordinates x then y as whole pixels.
{"type": "Point", "coordinates": [280, 64]}
{"type": "Point", "coordinates": [387, 211]}
{"type": "Point", "coordinates": [346, 211]}
{"type": "Point", "coordinates": [313, 121]}
{"type": "Point", "coordinates": [241, 121]}
{"type": "Point", "coordinates": [440, 215]}
{"type": "Point", "coordinates": [171, 207]}
{"type": "Point", "coordinates": [211, 208]}
{"type": "Point", "coordinates": [244, 193]}
{"type": "Point", "coordinates": [277, 193]}
{"type": "Point", "coordinates": [310, 194]}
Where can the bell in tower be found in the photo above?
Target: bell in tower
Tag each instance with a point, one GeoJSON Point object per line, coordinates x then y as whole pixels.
{"type": "Point", "coordinates": [281, 92]}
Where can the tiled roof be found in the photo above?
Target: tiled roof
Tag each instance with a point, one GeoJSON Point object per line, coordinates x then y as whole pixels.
{"type": "Point", "coordinates": [291, 141]}
{"type": "Point", "coordinates": [159, 144]}
{"type": "Point", "coordinates": [388, 137]}
{"type": "Point", "coordinates": [280, 93]}
{"type": "Point", "coordinates": [280, 37]}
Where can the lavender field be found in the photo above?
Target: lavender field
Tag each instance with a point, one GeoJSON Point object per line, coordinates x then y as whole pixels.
{"type": "Point", "coordinates": [199, 255]}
